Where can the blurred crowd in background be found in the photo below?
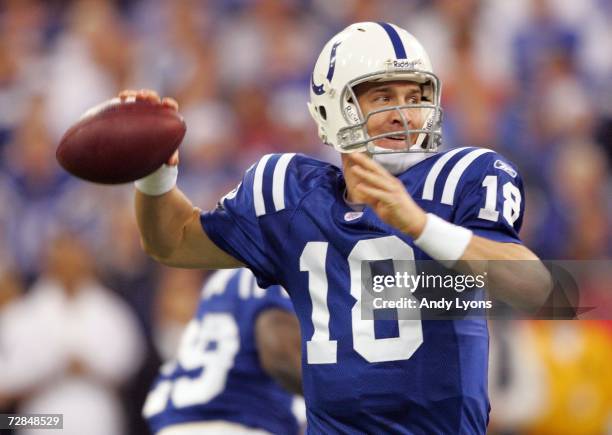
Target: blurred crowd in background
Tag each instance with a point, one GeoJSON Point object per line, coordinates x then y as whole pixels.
{"type": "Point", "coordinates": [86, 317]}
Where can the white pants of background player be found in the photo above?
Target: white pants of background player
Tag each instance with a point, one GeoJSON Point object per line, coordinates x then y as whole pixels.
{"type": "Point", "coordinates": [211, 428]}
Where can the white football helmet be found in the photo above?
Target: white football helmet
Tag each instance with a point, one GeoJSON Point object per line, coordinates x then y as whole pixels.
{"type": "Point", "coordinates": [365, 52]}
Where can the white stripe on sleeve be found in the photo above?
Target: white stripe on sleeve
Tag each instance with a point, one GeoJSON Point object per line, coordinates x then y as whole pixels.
{"type": "Point", "coordinates": [278, 181]}
{"type": "Point", "coordinates": [430, 181]}
{"type": "Point", "coordinates": [258, 198]}
{"type": "Point", "coordinates": [455, 174]}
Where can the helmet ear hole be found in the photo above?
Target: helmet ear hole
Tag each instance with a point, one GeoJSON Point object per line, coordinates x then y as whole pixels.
{"type": "Point", "coordinates": [322, 112]}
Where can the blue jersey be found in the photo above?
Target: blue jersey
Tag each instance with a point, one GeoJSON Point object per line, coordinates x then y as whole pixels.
{"type": "Point", "coordinates": [217, 374]}
{"type": "Point", "coordinates": [288, 221]}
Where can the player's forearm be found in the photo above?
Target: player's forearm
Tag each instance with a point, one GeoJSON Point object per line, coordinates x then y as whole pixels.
{"type": "Point", "coordinates": [483, 249]}
{"type": "Point", "coordinates": [162, 221]}
{"type": "Point", "coordinates": [515, 275]}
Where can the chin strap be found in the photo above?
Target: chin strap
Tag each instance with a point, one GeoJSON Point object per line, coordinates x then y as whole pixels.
{"type": "Point", "coordinates": [396, 163]}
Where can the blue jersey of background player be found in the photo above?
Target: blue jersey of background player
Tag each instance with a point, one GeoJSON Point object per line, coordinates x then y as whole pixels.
{"type": "Point", "coordinates": [309, 226]}
{"type": "Point", "coordinates": [241, 338]}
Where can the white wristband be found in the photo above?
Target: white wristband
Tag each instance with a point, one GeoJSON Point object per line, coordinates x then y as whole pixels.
{"type": "Point", "coordinates": [159, 182]}
{"type": "Point", "coordinates": [443, 241]}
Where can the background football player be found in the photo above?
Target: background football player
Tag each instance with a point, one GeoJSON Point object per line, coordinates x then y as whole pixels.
{"type": "Point", "coordinates": [242, 342]}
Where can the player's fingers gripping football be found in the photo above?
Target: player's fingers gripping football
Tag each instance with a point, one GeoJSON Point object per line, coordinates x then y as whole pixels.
{"type": "Point", "coordinates": [152, 97]}
{"type": "Point", "coordinates": [126, 93]}
{"type": "Point", "coordinates": [170, 102]}
{"type": "Point", "coordinates": [140, 95]}
{"type": "Point", "coordinates": [148, 95]}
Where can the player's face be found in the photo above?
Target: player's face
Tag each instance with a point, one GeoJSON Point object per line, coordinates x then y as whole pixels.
{"type": "Point", "coordinates": [375, 96]}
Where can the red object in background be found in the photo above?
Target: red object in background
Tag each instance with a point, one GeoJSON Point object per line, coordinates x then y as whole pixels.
{"type": "Point", "coordinates": [120, 141]}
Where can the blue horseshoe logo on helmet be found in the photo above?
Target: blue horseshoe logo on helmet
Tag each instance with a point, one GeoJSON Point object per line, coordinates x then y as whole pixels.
{"type": "Point", "coordinates": [318, 89]}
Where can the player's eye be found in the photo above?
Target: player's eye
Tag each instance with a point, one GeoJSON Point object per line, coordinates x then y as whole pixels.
{"type": "Point", "coordinates": [381, 99]}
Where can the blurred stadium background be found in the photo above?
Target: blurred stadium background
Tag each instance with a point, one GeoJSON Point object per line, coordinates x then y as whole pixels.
{"type": "Point", "coordinates": [529, 78]}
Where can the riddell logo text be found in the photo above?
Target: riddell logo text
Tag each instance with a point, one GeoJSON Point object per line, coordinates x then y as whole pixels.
{"type": "Point", "coordinates": [406, 63]}
{"type": "Point", "coordinates": [350, 112]}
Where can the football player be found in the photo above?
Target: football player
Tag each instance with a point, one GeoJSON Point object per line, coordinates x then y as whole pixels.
{"type": "Point", "coordinates": [242, 342]}
{"type": "Point", "coordinates": [309, 226]}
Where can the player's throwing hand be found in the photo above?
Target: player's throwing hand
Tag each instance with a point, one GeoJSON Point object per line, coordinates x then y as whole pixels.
{"type": "Point", "coordinates": [152, 97]}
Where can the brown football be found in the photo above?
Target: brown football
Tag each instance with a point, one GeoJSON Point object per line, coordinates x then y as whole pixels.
{"type": "Point", "coordinates": [120, 141]}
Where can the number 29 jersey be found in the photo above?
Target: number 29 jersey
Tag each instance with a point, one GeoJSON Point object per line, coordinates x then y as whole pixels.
{"type": "Point", "coordinates": [217, 375]}
{"type": "Point", "coordinates": [289, 223]}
